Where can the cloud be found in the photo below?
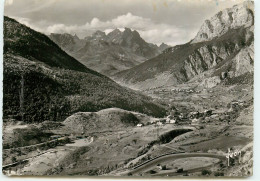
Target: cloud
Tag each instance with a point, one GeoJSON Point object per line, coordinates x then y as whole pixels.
{"type": "Point", "coordinates": [129, 20]}
{"type": "Point", "coordinates": [149, 30]}
{"type": "Point", "coordinates": [171, 21]}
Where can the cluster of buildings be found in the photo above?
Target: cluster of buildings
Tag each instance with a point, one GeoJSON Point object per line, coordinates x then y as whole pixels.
{"type": "Point", "coordinates": [176, 117]}
{"type": "Point", "coordinates": [176, 91]}
{"type": "Point", "coordinates": [185, 90]}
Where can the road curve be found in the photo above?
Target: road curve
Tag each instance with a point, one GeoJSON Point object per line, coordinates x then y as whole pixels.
{"type": "Point", "coordinates": [24, 160]}
{"type": "Point", "coordinates": [38, 144]}
{"type": "Point", "coordinates": [148, 165]}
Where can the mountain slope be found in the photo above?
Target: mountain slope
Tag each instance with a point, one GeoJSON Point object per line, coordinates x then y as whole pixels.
{"type": "Point", "coordinates": [23, 41]}
{"type": "Point", "coordinates": [183, 62]}
{"type": "Point", "coordinates": [56, 85]}
{"type": "Point", "coordinates": [109, 53]}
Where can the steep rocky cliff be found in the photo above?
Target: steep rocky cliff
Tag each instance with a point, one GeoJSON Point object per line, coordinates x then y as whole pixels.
{"type": "Point", "coordinates": [241, 15]}
{"type": "Point", "coordinates": [226, 52]}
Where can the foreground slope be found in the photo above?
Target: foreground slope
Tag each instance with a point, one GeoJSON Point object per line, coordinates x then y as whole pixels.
{"type": "Point", "coordinates": [223, 52]}
{"type": "Point", "coordinates": [41, 82]}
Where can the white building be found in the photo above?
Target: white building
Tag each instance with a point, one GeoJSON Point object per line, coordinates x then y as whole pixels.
{"type": "Point", "coordinates": [139, 125]}
{"type": "Point", "coordinates": [159, 123]}
{"type": "Point", "coordinates": [172, 121]}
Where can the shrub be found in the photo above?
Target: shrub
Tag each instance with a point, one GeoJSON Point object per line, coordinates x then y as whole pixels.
{"type": "Point", "coordinates": [164, 167]}
{"type": "Point", "coordinates": [169, 136]}
{"type": "Point", "coordinates": [152, 172]}
{"type": "Point", "coordinates": [217, 174]}
{"type": "Point", "coordinates": [205, 172]}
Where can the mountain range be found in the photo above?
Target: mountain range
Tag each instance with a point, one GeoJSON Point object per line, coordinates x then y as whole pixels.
{"type": "Point", "coordinates": [109, 53]}
{"type": "Point", "coordinates": [222, 49]}
{"type": "Point", "coordinates": [42, 82]}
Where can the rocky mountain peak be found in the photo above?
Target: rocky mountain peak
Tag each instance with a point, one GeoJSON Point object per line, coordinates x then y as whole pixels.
{"type": "Point", "coordinates": [125, 38]}
{"type": "Point", "coordinates": [114, 32]}
{"type": "Point", "coordinates": [241, 15]}
{"type": "Point", "coordinates": [99, 34]}
{"type": "Point", "coordinates": [127, 30]}
{"type": "Point", "coordinates": [163, 46]}
{"type": "Point", "coordinates": [114, 36]}
{"type": "Point", "coordinates": [131, 33]}
{"type": "Point", "coordinates": [76, 36]}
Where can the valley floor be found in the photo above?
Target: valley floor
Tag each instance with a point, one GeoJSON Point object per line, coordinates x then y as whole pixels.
{"type": "Point", "coordinates": [194, 148]}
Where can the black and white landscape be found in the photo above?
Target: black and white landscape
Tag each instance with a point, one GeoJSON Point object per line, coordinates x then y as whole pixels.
{"type": "Point", "coordinates": [79, 100]}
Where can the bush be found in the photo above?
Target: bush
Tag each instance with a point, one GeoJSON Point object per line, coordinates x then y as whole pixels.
{"type": "Point", "coordinates": [130, 119]}
{"type": "Point", "coordinates": [152, 172]}
{"type": "Point", "coordinates": [205, 172]}
{"type": "Point", "coordinates": [222, 165]}
{"type": "Point", "coordinates": [169, 136]}
{"type": "Point", "coordinates": [217, 174]}
{"type": "Point", "coordinates": [14, 159]}
{"type": "Point", "coordinates": [164, 167]}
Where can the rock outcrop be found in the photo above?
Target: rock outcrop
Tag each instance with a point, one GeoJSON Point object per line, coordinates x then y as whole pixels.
{"type": "Point", "coordinates": [244, 60]}
{"type": "Point", "coordinates": [238, 16]}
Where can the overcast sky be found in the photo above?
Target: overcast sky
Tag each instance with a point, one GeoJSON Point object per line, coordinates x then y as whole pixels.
{"type": "Point", "coordinates": [169, 21]}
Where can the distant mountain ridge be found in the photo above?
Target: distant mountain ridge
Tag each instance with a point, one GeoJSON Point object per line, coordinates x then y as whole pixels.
{"type": "Point", "coordinates": [219, 47]}
{"type": "Point", "coordinates": [111, 53]}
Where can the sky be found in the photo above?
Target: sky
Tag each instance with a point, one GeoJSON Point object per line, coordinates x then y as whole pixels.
{"type": "Point", "coordinates": [158, 21]}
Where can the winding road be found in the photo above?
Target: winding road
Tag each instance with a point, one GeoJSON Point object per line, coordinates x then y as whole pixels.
{"type": "Point", "coordinates": [152, 163]}
{"type": "Point", "coordinates": [75, 144]}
